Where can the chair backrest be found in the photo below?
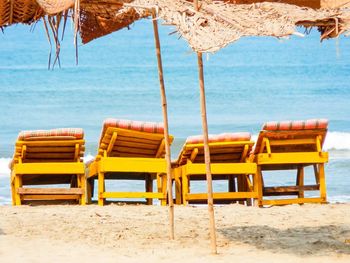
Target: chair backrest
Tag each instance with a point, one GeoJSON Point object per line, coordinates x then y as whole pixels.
{"type": "Point", "coordinates": [292, 136]}
{"type": "Point", "coordinates": [224, 148]}
{"type": "Point", "coordinates": [57, 145]}
{"type": "Point", "coordinates": [124, 138]}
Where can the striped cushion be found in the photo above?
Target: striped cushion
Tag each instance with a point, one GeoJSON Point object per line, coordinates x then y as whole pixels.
{"type": "Point", "coordinates": [77, 133]}
{"type": "Point", "coordinates": [151, 127]}
{"type": "Point", "coordinates": [223, 137]}
{"type": "Point", "coordinates": [296, 125]}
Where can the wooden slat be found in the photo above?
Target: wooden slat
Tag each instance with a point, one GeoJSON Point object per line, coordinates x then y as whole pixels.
{"type": "Point", "coordinates": [289, 189]}
{"type": "Point", "coordinates": [293, 201]}
{"type": "Point", "coordinates": [41, 149]}
{"type": "Point", "coordinates": [50, 168]}
{"type": "Point", "coordinates": [50, 156]}
{"type": "Point", "coordinates": [219, 157]}
{"type": "Point", "coordinates": [238, 149]}
{"type": "Point", "coordinates": [134, 134]}
{"type": "Point", "coordinates": [50, 138]}
{"type": "Point", "coordinates": [293, 141]}
{"type": "Point", "coordinates": [49, 143]}
{"type": "Point", "coordinates": [137, 145]}
{"type": "Point", "coordinates": [47, 160]}
{"type": "Point", "coordinates": [147, 165]}
{"type": "Point", "coordinates": [50, 197]}
{"type": "Point", "coordinates": [223, 196]}
{"type": "Point", "coordinates": [220, 144]}
{"type": "Point", "coordinates": [134, 140]}
{"type": "Point", "coordinates": [134, 150]}
{"type": "Point", "coordinates": [124, 154]}
{"type": "Point", "coordinates": [132, 195]}
{"type": "Point", "coordinates": [221, 168]}
{"type": "Point", "coordinates": [50, 191]}
{"type": "Point", "coordinates": [292, 158]}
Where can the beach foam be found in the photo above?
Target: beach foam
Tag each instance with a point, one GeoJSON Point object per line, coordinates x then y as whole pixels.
{"type": "Point", "coordinates": [337, 141]}
{"type": "Point", "coordinates": [4, 167]}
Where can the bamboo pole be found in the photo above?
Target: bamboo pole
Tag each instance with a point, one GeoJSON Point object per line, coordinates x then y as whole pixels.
{"type": "Point", "coordinates": [166, 126]}
{"type": "Point", "coordinates": [206, 148]}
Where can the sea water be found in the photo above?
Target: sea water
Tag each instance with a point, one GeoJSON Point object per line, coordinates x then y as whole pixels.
{"type": "Point", "coordinates": [247, 83]}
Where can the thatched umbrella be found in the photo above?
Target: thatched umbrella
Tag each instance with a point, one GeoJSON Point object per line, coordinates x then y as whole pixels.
{"type": "Point", "coordinates": [207, 26]}
{"type": "Point", "coordinates": [28, 11]}
{"type": "Point", "coordinates": [210, 26]}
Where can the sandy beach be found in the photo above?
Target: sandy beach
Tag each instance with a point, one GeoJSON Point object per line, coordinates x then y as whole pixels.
{"type": "Point", "coordinates": [138, 233]}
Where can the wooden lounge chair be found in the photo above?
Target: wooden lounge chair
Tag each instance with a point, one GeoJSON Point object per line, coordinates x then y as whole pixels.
{"type": "Point", "coordinates": [48, 157]}
{"type": "Point", "coordinates": [292, 145]}
{"type": "Point", "coordinates": [228, 154]}
{"type": "Point", "coordinates": [130, 150]}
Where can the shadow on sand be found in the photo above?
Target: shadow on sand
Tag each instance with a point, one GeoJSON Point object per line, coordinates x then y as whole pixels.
{"type": "Point", "coordinates": [298, 240]}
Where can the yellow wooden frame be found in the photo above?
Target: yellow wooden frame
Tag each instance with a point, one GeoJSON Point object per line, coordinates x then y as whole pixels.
{"type": "Point", "coordinates": [19, 170]}
{"type": "Point", "coordinates": [244, 169]}
{"type": "Point", "coordinates": [104, 164]}
{"type": "Point", "coordinates": [268, 160]}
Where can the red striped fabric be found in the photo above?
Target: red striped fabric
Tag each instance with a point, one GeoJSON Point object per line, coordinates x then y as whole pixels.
{"type": "Point", "coordinates": [296, 125]}
{"type": "Point", "coordinates": [223, 137]}
{"type": "Point", "coordinates": [151, 127]}
{"type": "Point", "coordinates": [77, 133]}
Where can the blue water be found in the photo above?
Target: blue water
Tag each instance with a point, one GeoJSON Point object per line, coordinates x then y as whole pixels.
{"type": "Point", "coordinates": [252, 81]}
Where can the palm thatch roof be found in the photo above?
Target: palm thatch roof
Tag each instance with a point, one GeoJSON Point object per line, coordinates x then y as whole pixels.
{"type": "Point", "coordinates": [214, 26]}
{"type": "Point", "coordinates": [19, 11]}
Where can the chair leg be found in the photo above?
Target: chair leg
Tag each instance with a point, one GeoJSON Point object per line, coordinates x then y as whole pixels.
{"type": "Point", "coordinates": [248, 189]}
{"type": "Point", "coordinates": [231, 183]}
{"type": "Point", "coordinates": [322, 183]}
{"type": "Point", "coordinates": [13, 190]}
{"type": "Point", "coordinates": [88, 191]}
{"type": "Point", "coordinates": [259, 186]}
{"type": "Point", "coordinates": [164, 190]}
{"type": "Point", "coordinates": [74, 180]}
{"type": "Point", "coordinates": [159, 183]}
{"type": "Point", "coordinates": [18, 184]}
{"type": "Point", "coordinates": [317, 176]}
{"type": "Point", "coordinates": [149, 188]}
{"type": "Point", "coordinates": [178, 187]}
{"type": "Point", "coordinates": [82, 185]}
{"type": "Point", "coordinates": [300, 181]}
{"type": "Point", "coordinates": [101, 188]}
{"type": "Point", "coordinates": [185, 188]}
{"type": "Point", "coordinates": [240, 187]}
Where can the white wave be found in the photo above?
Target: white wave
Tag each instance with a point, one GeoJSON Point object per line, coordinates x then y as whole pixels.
{"type": "Point", "coordinates": [339, 199]}
{"type": "Point", "coordinates": [337, 141]}
{"type": "Point", "coordinates": [88, 158]}
{"type": "Point", "coordinates": [4, 167]}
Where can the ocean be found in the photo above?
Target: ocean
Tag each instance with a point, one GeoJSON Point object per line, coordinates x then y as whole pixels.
{"type": "Point", "coordinates": [247, 83]}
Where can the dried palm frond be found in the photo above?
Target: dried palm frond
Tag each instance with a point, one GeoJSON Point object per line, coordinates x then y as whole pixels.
{"type": "Point", "coordinates": [99, 18]}
{"type": "Point", "coordinates": [19, 11]}
{"type": "Point", "coordinates": [52, 7]}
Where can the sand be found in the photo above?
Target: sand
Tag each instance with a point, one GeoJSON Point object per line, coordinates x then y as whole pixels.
{"type": "Point", "coordinates": [139, 233]}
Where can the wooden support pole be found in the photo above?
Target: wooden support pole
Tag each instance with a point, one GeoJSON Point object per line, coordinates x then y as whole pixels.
{"type": "Point", "coordinates": [206, 149]}
{"type": "Point", "coordinates": [166, 127]}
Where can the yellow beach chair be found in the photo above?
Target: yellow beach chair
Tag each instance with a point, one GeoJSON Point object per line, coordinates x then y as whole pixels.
{"type": "Point", "coordinates": [130, 150]}
{"type": "Point", "coordinates": [292, 145]}
{"type": "Point", "coordinates": [48, 157]}
{"type": "Point", "coordinates": [228, 154]}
